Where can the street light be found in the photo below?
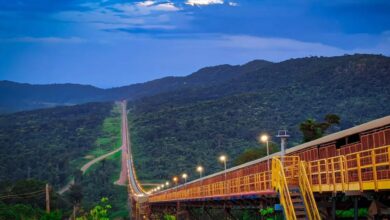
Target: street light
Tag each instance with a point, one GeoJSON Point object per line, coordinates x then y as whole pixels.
{"type": "Point", "coordinates": [175, 179]}
{"type": "Point", "coordinates": [265, 138]}
{"type": "Point", "coordinates": [166, 183]}
{"type": "Point", "coordinates": [184, 176]}
{"type": "Point", "coordinates": [200, 170]}
{"type": "Point", "coordinates": [223, 159]}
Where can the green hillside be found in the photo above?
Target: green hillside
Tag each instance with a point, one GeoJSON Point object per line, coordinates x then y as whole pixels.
{"type": "Point", "coordinates": [173, 132]}
{"type": "Point", "coordinates": [41, 144]}
{"type": "Point", "coordinates": [52, 144]}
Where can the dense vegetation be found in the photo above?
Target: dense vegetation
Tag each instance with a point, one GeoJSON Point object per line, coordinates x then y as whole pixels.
{"type": "Point", "coordinates": [188, 120]}
{"type": "Point", "coordinates": [52, 144]}
{"type": "Point", "coordinates": [99, 182]}
{"type": "Point", "coordinates": [41, 144]}
{"type": "Point", "coordinates": [311, 129]}
{"type": "Point", "coordinates": [25, 199]}
{"type": "Point", "coordinates": [173, 132]}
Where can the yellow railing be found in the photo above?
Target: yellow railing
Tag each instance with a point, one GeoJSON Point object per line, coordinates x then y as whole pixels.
{"type": "Point", "coordinates": [279, 183]}
{"type": "Point", "coordinates": [257, 182]}
{"type": "Point", "coordinates": [307, 194]}
{"type": "Point", "coordinates": [363, 170]}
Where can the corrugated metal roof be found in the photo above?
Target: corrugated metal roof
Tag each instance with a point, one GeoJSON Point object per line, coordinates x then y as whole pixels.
{"type": "Point", "coordinates": [344, 133]}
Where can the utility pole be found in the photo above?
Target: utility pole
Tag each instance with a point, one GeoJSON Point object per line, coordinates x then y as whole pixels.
{"type": "Point", "coordinates": [47, 198]}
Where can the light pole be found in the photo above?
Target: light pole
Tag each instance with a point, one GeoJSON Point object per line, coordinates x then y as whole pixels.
{"type": "Point", "coordinates": [200, 170]}
{"type": "Point", "coordinates": [184, 176]}
{"type": "Point", "coordinates": [223, 159]}
{"type": "Point", "coordinates": [175, 180]}
{"type": "Point", "coordinates": [265, 138]}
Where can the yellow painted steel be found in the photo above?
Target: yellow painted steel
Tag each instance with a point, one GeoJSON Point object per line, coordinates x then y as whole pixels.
{"type": "Point", "coordinates": [307, 194]}
{"type": "Point", "coordinates": [360, 171]}
{"type": "Point", "coordinates": [279, 182]}
{"type": "Point", "coordinates": [252, 184]}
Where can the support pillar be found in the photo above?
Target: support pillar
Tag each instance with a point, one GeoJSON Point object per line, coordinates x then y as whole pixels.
{"type": "Point", "coordinates": [229, 214]}
{"type": "Point", "coordinates": [334, 207]}
{"type": "Point", "coordinates": [208, 213]}
{"type": "Point", "coordinates": [177, 210]}
{"type": "Point", "coordinates": [355, 206]}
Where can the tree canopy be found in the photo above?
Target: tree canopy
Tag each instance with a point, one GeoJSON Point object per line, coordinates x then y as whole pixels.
{"type": "Point", "coordinates": [311, 129]}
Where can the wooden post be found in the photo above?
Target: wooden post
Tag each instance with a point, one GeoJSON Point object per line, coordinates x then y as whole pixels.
{"type": "Point", "coordinates": [74, 212]}
{"type": "Point", "coordinates": [47, 198]}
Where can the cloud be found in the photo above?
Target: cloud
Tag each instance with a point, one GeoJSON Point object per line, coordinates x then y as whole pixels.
{"type": "Point", "coordinates": [146, 3]}
{"type": "Point", "coordinates": [203, 2]}
{"type": "Point", "coordinates": [44, 40]}
{"type": "Point", "coordinates": [276, 48]}
{"type": "Point", "coordinates": [233, 4]}
{"type": "Point", "coordinates": [146, 7]}
{"type": "Point", "coordinates": [128, 16]}
{"type": "Point", "coordinates": [283, 44]}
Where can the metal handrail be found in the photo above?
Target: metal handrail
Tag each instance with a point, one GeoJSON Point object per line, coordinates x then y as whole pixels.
{"type": "Point", "coordinates": [355, 168]}
{"type": "Point", "coordinates": [307, 193]}
{"type": "Point", "coordinates": [279, 182]}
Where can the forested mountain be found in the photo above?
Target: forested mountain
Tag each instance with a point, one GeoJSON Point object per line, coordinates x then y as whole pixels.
{"type": "Point", "coordinates": [223, 108]}
{"type": "Point", "coordinates": [41, 144]}
{"type": "Point", "coordinates": [179, 122]}
{"type": "Point", "coordinates": [51, 145]}
{"type": "Point", "coordinates": [22, 96]}
{"type": "Point", "coordinates": [203, 78]}
{"type": "Point", "coordinates": [196, 125]}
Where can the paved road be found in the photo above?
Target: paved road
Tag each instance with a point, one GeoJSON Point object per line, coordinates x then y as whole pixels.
{"type": "Point", "coordinates": [123, 174]}
{"type": "Point", "coordinates": [92, 162]}
{"type": "Point", "coordinates": [85, 167]}
{"type": "Point", "coordinates": [66, 187]}
{"type": "Point", "coordinates": [128, 171]}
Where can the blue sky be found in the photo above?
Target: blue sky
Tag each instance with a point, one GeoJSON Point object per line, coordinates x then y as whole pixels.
{"type": "Point", "coordinates": [116, 42]}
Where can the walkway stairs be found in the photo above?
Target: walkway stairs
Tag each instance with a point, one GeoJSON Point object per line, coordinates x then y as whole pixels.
{"type": "Point", "coordinates": [290, 180]}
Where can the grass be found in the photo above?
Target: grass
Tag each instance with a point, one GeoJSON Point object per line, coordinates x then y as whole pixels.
{"type": "Point", "coordinates": [116, 157]}
{"type": "Point", "coordinates": [107, 142]}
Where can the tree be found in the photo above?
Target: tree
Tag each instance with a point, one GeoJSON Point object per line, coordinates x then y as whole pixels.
{"type": "Point", "coordinates": [75, 193]}
{"type": "Point", "coordinates": [311, 129]}
{"type": "Point", "coordinates": [255, 153]}
{"type": "Point", "coordinates": [332, 119]}
{"type": "Point", "coordinates": [99, 212]}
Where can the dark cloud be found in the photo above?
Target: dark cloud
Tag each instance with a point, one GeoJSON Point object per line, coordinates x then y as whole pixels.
{"type": "Point", "coordinates": [58, 40]}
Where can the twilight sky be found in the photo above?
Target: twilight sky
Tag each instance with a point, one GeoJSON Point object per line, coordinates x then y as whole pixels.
{"type": "Point", "coordinates": [117, 42]}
